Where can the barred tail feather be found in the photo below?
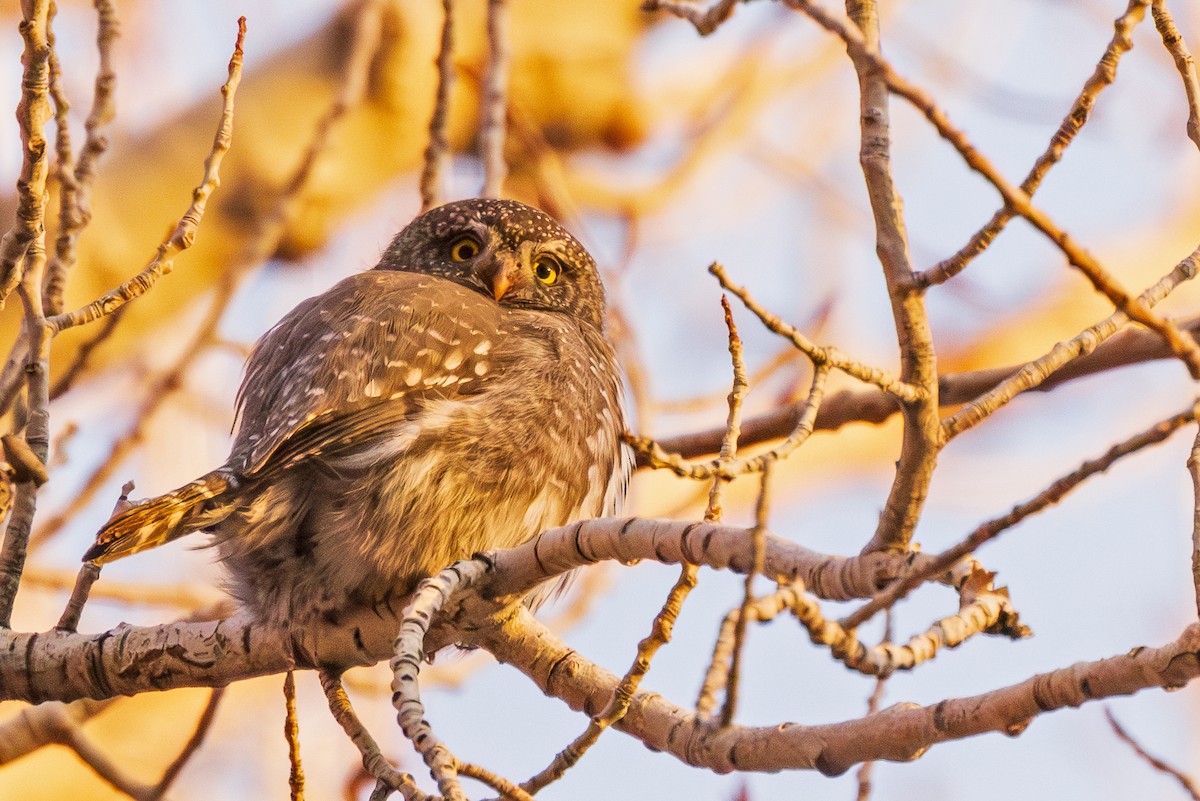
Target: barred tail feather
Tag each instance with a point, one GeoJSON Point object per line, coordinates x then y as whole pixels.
{"type": "Point", "coordinates": [204, 502]}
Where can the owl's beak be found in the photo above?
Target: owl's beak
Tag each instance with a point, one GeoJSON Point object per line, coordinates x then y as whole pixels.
{"type": "Point", "coordinates": [500, 284]}
{"type": "Point", "coordinates": [499, 274]}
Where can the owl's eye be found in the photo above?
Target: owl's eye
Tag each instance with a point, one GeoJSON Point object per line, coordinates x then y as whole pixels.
{"type": "Point", "coordinates": [546, 268]}
{"type": "Point", "coordinates": [464, 249]}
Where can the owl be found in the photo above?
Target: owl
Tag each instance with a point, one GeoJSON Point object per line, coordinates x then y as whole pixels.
{"type": "Point", "coordinates": [460, 396]}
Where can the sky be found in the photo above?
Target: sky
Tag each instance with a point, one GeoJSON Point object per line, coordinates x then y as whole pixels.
{"type": "Point", "coordinates": [783, 209]}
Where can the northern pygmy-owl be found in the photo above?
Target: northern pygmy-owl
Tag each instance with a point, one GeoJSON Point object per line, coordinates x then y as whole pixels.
{"type": "Point", "coordinates": [460, 396]}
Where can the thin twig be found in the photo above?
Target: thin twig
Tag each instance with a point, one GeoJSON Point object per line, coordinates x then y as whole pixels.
{"type": "Point", "coordinates": [437, 152]}
{"type": "Point", "coordinates": [88, 573]}
{"type": "Point", "coordinates": [258, 246]}
{"type": "Point", "coordinates": [33, 111]}
{"type": "Point", "coordinates": [716, 677]}
{"type": "Point", "coordinates": [75, 180]}
{"type": "Point", "coordinates": [1054, 493]}
{"type": "Point", "coordinates": [733, 423]}
{"type": "Point", "coordinates": [1193, 464]}
{"type": "Point", "coordinates": [717, 122]}
{"type": "Point", "coordinates": [1177, 47]}
{"type": "Point", "coordinates": [739, 628]}
{"type": "Point", "coordinates": [1184, 780]}
{"type": "Point", "coordinates": [495, 100]}
{"type": "Point", "coordinates": [983, 608]}
{"type": "Point", "coordinates": [863, 775]}
{"type": "Point", "coordinates": [653, 454]}
{"type": "Point", "coordinates": [618, 705]}
{"type": "Point", "coordinates": [291, 733]}
{"type": "Point", "coordinates": [185, 231]}
{"type": "Point", "coordinates": [705, 21]}
{"type": "Point", "coordinates": [64, 156]}
{"type": "Point", "coordinates": [1125, 347]}
{"type": "Point", "coordinates": [1039, 370]}
{"type": "Point", "coordinates": [160, 390]}
{"type": "Point", "coordinates": [820, 355]}
{"type": "Point", "coordinates": [1102, 77]}
{"type": "Point", "coordinates": [429, 597]}
{"type": "Point", "coordinates": [203, 726]}
{"type": "Point", "coordinates": [187, 597]}
{"type": "Point", "coordinates": [664, 622]}
{"type": "Point", "coordinates": [36, 440]}
{"type": "Point", "coordinates": [785, 358]}
{"type": "Point", "coordinates": [1182, 345]}
{"type": "Point", "coordinates": [507, 790]}
{"type": "Point", "coordinates": [63, 729]}
{"type": "Point", "coordinates": [373, 760]}
{"type": "Point", "coordinates": [83, 354]}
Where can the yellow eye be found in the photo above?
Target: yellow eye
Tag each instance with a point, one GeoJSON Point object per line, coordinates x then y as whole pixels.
{"type": "Point", "coordinates": [546, 269]}
{"type": "Point", "coordinates": [464, 249]}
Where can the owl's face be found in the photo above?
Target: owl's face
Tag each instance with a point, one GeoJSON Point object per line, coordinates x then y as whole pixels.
{"type": "Point", "coordinates": [506, 250]}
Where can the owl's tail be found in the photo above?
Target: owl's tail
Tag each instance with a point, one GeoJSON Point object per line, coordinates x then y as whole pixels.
{"type": "Point", "coordinates": [204, 502]}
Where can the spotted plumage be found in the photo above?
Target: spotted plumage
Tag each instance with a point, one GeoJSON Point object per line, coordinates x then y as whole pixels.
{"type": "Point", "coordinates": [460, 396]}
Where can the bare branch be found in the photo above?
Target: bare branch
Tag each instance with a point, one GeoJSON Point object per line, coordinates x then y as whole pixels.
{"type": "Point", "coordinates": [437, 152]}
{"type": "Point", "coordinates": [743, 616]}
{"type": "Point", "coordinates": [1117, 348]}
{"type": "Point", "coordinates": [819, 355]}
{"type": "Point", "coordinates": [918, 363]}
{"type": "Point", "coordinates": [1153, 761]}
{"type": "Point", "coordinates": [291, 733]}
{"type": "Point", "coordinates": [664, 621]}
{"type": "Point", "coordinates": [1182, 345]}
{"type": "Point", "coordinates": [36, 446]}
{"type": "Point", "coordinates": [1177, 47]}
{"type": "Point", "coordinates": [1193, 464]}
{"type": "Point", "coordinates": [35, 727]}
{"type": "Point", "coordinates": [374, 762]}
{"type": "Point", "coordinates": [185, 231]}
{"type": "Point", "coordinates": [203, 725]}
{"type": "Point", "coordinates": [654, 454]}
{"type": "Point", "coordinates": [88, 573]}
{"type": "Point", "coordinates": [75, 179]}
{"type": "Point", "coordinates": [264, 240]}
{"type": "Point", "coordinates": [181, 654]}
{"type": "Point", "coordinates": [66, 731]}
{"type": "Point", "coordinates": [1102, 77]}
{"type": "Point", "coordinates": [82, 356]}
{"type": "Point", "coordinates": [899, 733]}
{"type": "Point", "coordinates": [716, 677]}
{"type": "Point", "coordinates": [1039, 370]}
{"type": "Point", "coordinates": [863, 775]}
{"type": "Point", "coordinates": [495, 100]}
{"type": "Point", "coordinates": [993, 528]}
{"type": "Point", "coordinates": [509, 791]}
{"type": "Point", "coordinates": [33, 111]}
{"type": "Point", "coordinates": [430, 596]}
{"type": "Point", "coordinates": [705, 21]}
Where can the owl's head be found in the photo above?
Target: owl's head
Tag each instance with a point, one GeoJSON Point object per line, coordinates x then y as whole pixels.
{"type": "Point", "coordinates": [506, 250]}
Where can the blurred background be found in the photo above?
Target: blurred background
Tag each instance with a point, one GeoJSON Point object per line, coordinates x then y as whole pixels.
{"type": "Point", "coordinates": [663, 151]}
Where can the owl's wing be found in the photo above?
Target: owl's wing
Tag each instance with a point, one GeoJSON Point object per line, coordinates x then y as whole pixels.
{"type": "Point", "coordinates": [358, 360]}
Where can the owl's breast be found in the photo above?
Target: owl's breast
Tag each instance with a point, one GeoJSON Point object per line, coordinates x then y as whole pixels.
{"type": "Point", "coordinates": [538, 447]}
